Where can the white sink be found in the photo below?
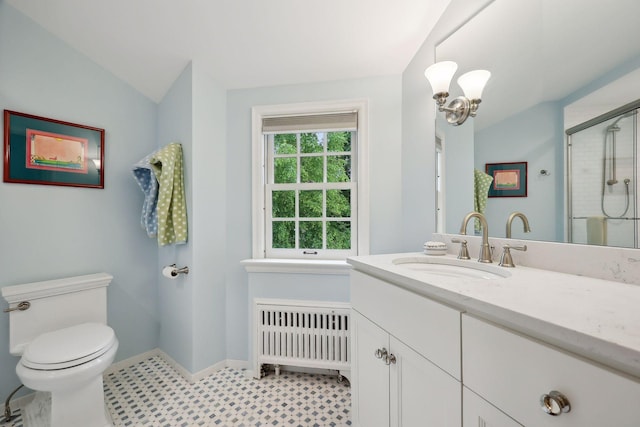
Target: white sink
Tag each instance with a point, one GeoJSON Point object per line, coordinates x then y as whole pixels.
{"type": "Point", "coordinates": [452, 267]}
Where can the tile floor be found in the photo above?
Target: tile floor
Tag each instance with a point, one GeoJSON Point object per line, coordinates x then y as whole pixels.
{"type": "Point", "coordinates": [152, 394]}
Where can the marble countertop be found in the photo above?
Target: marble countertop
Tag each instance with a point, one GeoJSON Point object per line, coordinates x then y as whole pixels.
{"type": "Point", "coordinates": [597, 319]}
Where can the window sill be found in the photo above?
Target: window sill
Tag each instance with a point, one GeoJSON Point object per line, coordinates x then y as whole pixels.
{"type": "Point", "coordinates": [296, 266]}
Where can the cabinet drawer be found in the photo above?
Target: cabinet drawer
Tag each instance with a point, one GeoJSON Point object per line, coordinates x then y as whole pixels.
{"type": "Point", "coordinates": [513, 372]}
{"type": "Point", "coordinates": [430, 328]}
{"type": "Point", "coordinates": [478, 412]}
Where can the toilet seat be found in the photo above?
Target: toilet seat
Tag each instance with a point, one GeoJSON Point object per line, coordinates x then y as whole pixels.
{"type": "Point", "coordinates": [68, 347]}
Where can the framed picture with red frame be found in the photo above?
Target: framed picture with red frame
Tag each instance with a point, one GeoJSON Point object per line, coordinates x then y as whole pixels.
{"type": "Point", "coordinates": [45, 151]}
{"type": "Point", "coordinates": [509, 179]}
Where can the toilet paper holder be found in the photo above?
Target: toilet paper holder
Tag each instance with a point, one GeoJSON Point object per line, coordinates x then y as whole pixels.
{"type": "Point", "coordinates": [176, 271]}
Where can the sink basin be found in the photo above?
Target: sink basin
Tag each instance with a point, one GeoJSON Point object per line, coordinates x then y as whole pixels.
{"type": "Point", "coordinates": [452, 267]}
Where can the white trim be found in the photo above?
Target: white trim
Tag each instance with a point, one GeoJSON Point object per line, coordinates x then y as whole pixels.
{"type": "Point", "coordinates": [258, 164]}
{"type": "Point", "coordinates": [123, 364]}
{"type": "Point", "coordinates": [184, 373]}
{"type": "Point", "coordinates": [303, 266]}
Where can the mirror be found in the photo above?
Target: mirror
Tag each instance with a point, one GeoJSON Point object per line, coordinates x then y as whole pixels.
{"type": "Point", "coordinates": [554, 64]}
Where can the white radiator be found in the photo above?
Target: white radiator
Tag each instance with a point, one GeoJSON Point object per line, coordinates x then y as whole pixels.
{"type": "Point", "coordinates": [311, 334]}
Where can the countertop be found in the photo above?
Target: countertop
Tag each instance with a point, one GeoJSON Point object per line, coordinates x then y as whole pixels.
{"type": "Point", "coordinates": [593, 318]}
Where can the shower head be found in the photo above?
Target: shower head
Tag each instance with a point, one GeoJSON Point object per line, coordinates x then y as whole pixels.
{"type": "Point", "coordinates": [612, 181]}
{"type": "Point", "coordinates": [613, 127]}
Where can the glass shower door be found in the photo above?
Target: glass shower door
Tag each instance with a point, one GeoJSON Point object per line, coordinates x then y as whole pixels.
{"type": "Point", "coordinates": [603, 168]}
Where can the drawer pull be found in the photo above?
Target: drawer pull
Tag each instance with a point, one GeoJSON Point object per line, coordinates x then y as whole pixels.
{"type": "Point", "coordinates": [554, 403]}
{"type": "Point", "coordinates": [381, 353]}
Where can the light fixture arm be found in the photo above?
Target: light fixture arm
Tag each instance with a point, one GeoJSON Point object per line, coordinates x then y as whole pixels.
{"type": "Point", "coordinates": [458, 110]}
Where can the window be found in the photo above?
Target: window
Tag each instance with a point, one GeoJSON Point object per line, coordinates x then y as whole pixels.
{"type": "Point", "coordinates": [309, 181]}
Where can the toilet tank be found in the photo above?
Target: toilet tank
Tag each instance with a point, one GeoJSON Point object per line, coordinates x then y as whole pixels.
{"type": "Point", "coordinates": [55, 304]}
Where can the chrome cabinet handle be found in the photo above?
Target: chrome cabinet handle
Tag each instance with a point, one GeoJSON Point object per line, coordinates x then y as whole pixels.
{"type": "Point", "coordinates": [390, 359]}
{"type": "Point", "coordinates": [381, 353]}
{"type": "Point", "coordinates": [22, 306]}
{"type": "Point", "coordinates": [555, 403]}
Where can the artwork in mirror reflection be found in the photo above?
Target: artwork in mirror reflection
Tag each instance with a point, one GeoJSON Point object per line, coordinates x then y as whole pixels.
{"type": "Point", "coordinates": [555, 66]}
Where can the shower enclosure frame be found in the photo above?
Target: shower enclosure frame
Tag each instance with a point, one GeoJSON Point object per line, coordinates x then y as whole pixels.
{"type": "Point", "coordinates": [620, 111]}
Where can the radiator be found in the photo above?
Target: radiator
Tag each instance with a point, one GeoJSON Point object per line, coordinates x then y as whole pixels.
{"type": "Point", "coordinates": [309, 334]}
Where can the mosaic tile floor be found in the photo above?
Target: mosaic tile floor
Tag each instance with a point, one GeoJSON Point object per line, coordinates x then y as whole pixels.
{"type": "Point", "coordinates": [152, 394]}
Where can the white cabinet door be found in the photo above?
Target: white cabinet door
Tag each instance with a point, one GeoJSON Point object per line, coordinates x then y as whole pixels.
{"type": "Point", "coordinates": [422, 395]}
{"type": "Point", "coordinates": [477, 412]}
{"type": "Point", "coordinates": [370, 375]}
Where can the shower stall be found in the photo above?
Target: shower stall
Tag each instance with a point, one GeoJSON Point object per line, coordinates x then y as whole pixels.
{"type": "Point", "coordinates": [602, 177]}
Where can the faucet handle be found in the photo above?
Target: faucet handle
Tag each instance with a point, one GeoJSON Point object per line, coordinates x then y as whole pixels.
{"type": "Point", "coordinates": [505, 259]}
{"type": "Point", "coordinates": [464, 251]}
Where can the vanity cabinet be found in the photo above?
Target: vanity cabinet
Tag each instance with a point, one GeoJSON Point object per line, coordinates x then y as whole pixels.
{"type": "Point", "coordinates": [405, 357]}
{"type": "Point", "coordinates": [519, 376]}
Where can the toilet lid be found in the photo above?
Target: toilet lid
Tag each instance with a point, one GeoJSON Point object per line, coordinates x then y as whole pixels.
{"type": "Point", "coordinates": [68, 347]}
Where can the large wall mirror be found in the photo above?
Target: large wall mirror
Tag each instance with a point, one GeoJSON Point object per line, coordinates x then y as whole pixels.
{"type": "Point", "coordinates": [556, 65]}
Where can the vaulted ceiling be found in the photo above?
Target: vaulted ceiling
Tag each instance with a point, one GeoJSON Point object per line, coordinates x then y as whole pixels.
{"type": "Point", "coordinates": [241, 43]}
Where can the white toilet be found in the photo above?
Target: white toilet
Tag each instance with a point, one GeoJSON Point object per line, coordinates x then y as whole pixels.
{"type": "Point", "coordinates": [65, 345]}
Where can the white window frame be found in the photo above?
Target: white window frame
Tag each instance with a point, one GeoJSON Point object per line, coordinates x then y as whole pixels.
{"type": "Point", "coordinates": [259, 167]}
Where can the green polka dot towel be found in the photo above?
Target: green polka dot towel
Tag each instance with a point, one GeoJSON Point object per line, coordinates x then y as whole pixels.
{"type": "Point", "coordinates": [481, 184]}
{"type": "Point", "coordinates": [166, 165]}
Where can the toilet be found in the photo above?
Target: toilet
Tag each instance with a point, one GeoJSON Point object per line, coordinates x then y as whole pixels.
{"type": "Point", "coordinates": [65, 344]}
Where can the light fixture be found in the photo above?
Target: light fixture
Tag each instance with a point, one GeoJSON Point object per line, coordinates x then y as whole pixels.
{"type": "Point", "coordinates": [472, 84]}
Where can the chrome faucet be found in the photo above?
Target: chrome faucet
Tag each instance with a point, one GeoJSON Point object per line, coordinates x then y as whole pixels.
{"type": "Point", "coordinates": [524, 219]}
{"type": "Point", "coordinates": [485, 250]}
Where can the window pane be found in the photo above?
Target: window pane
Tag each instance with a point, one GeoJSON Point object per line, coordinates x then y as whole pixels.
{"type": "Point", "coordinates": [310, 203]}
{"type": "Point", "coordinates": [284, 234]}
{"type": "Point", "coordinates": [339, 141]}
{"type": "Point", "coordinates": [283, 204]}
{"type": "Point", "coordinates": [338, 235]}
{"type": "Point", "coordinates": [312, 142]}
{"type": "Point", "coordinates": [310, 234]}
{"type": "Point", "coordinates": [338, 168]}
{"type": "Point", "coordinates": [285, 143]}
{"type": "Point", "coordinates": [338, 203]}
{"type": "Point", "coordinates": [285, 170]}
{"type": "Point", "coordinates": [311, 169]}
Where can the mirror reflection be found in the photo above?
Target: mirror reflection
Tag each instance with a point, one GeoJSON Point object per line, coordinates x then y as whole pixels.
{"type": "Point", "coordinates": [555, 67]}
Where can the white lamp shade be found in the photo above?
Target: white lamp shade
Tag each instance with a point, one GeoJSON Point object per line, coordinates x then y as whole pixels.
{"type": "Point", "coordinates": [440, 75]}
{"type": "Point", "coordinates": [473, 83]}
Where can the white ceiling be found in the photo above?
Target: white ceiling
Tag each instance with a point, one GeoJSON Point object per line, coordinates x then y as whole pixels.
{"type": "Point", "coordinates": [242, 43]}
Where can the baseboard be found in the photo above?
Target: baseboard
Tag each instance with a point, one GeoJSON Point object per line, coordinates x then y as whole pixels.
{"type": "Point", "coordinates": [237, 364]}
{"type": "Point", "coordinates": [195, 377]}
{"type": "Point", "coordinates": [123, 364]}
{"type": "Point", "coordinates": [184, 373]}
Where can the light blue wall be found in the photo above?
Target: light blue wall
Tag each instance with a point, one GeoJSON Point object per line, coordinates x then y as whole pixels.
{"type": "Point", "coordinates": [192, 307]}
{"type": "Point", "coordinates": [50, 231]}
{"type": "Point", "coordinates": [458, 171]}
{"type": "Point", "coordinates": [383, 94]}
{"type": "Point", "coordinates": [175, 297]}
{"type": "Point", "coordinates": [208, 219]}
{"type": "Point", "coordinates": [534, 136]}
{"type": "Point", "coordinates": [418, 136]}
